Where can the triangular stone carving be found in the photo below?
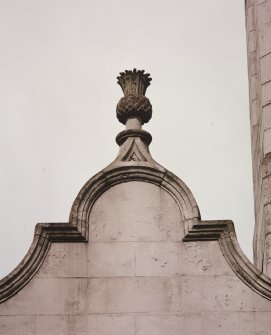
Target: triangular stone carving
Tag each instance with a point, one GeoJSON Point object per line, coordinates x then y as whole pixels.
{"type": "Point", "coordinates": [134, 154]}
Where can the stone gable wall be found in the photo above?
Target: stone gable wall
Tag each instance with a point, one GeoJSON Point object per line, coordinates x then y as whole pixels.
{"type": "Point", "coordinates": [135, 276]}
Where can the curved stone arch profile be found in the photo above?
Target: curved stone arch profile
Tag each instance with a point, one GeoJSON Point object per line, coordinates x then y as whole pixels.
{"type": "Point", "coordinates": [110, 177]}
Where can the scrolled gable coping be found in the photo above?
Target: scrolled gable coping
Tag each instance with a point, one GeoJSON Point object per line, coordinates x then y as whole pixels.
{"type": "Point", "coordinates": [77, 228]}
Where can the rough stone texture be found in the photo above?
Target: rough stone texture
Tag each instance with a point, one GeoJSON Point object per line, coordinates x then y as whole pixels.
{"type": "Point", "coordinates": [135, 276]}
{"type": "Point", "coordinates": [258, 24]}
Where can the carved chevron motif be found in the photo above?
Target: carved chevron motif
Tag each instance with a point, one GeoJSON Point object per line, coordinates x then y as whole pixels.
{"type": "Point", "coordinates": [134, 154]}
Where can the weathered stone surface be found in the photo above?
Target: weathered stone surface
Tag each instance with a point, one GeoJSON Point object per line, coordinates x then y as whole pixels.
{"type": "Point", "coordinates": [266, 188]}
{"type": "Point", "coordinates": [249, 3]}
{"type": "Point", "coordinates": [147, 294]}
{"type": "Point", "coordinates": [78, 325]}
{"type": "Point", "coordinates": [140, 212]}
{"type": "Point", "coordinates": [258, 2]}
{"type": "Point", "coordinates": [250, 19]}
{"type": "Point", "coordinates": [264, 14]}
{"type": "Point", "coordinates": [220, 294]}
{"type": "Point", "coordinates": [17, 325]}
{"type": "Point", "coordinates": [267, 141]}
{"type": "Point", "coordinates": [157, 258]}
{"type": "Point", "coordinates": [265, 41]}
{"type": "Point", "coordinates": [58, 296]}
{"type": "Point", "coordinates": [266, 93]}
{"type": "Point", "coordinates": [252, 60]}
{"type": "Point", "coordinates": [111, 324]}
{"type": "Point", "coordinates": [254, 107]}
{"type": "Point", "coordinates": [253, 87]}
{"type": "Point", "coordinates": [265, 64]}
{"type": "Point", "coordinates": [236, 323]}
{"type": "Point", "coordinates": [252, 41]}
{"type": "Point", "coordinates": [160, 324]}
{"type": "Point", "coordinates": [65, 260]}
{"type": "Point", "coordinates": [97, 295]}
{"type": "Point", "coordinates": [267, 117]}
{"type": "Point", "coordinates": [52, 324]}
{"type": "Point", "coordinates": [201, 258]}
{"type": "Point", "coordinates": [111, 259]}
{"type": "Point", "coordinates": [268, 251]}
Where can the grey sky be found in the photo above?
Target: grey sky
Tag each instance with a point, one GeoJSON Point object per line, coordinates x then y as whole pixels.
{"type": "Point", "coordinates": [59, 62]}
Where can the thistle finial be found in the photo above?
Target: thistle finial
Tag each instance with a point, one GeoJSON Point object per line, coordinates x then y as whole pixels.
{"type": "Point", "coordinates": [134, 104]}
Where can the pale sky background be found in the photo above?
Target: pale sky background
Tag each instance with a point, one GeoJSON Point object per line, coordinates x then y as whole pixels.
{"type": "Point", "coordinates": [58, 93]}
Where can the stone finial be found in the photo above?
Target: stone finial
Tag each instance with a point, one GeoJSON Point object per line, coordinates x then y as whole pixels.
{"type": "Point", "coordinates": [134, 104]}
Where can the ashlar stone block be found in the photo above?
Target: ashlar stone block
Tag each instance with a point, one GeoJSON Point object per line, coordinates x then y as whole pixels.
{"type": "Point", "coordinates": [266, 93]}
{"type": "Point", "coordinates": [160, 324]}
{"type": "Point", "coordinates": [220, 293]}
{"type": "Point", "coordinates": [65, 260]}
{"type": "Point", "coordinates": [265, 41]}
{"type": "Point", "coordinates": [52, 324]}
{"type": "Point", "coordinates": [266, 189]}
{"type": "Point", "coordinates": [203, 258]}
{"type": "Point", "coordinates": [48, 296]}
{"type": "Point", "coordinates": [249, 323]}
{"type": "Point", "coordinates": [267, 218]}
{"type": "Point", "coordinates": [111, 259]}
{"type": "Point", "coordinates": [157, 258]}
{"type": "Point", "coordinates": [101, 324]}
{"type": "Point", "coordinates": [267, 141]}
{"type": "Point", "coordinates": [144, 294]}
{"type": "Point", "coordinates": [266, 121]}
{"type": "Point", "coordinates": [97, 295]}
{"type": "Point", "coordinates": [265, 64]}
{"type": "Point", "coordinates": [78, 325]}
{"type": "Point", "coordinates": [111, 324]}
{"type": "Point", "coordinates": [17, 325]}
{"type": "Point", "coordinates": [140, 212]}
{"type": "Point", "coordinates": [264, 14]}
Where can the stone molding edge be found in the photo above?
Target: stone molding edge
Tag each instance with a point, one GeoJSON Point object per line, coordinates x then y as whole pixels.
{"type": "Point", "coordinates": [223, 231]}
{"type": "Point", "coordinates": [45, 234]}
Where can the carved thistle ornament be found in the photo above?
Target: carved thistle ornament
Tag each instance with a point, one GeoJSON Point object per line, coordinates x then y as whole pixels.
{"type": "Point", "coordinates": [134, 103]}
